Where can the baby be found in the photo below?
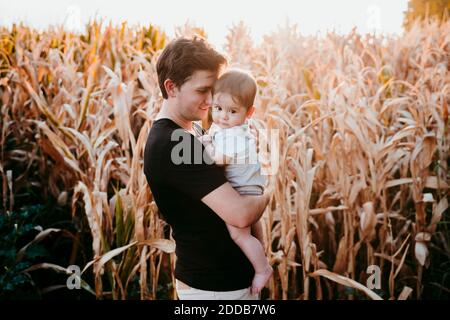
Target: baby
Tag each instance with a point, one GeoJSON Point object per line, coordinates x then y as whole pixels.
{"type": "Point", "coordinates": [230, 143]}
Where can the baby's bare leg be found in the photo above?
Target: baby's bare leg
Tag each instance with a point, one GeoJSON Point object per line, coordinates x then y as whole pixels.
{"type": "Point", "coordinates": [257, 232]}
{"type": "Point", "coordinates": [254, 251]}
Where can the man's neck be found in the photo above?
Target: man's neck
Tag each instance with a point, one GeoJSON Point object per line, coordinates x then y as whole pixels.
{"type": "Point", "coordinates": [167, 111]}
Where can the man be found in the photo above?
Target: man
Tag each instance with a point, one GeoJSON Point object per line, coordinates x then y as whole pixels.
{"type": "Point", "coordinates": [190, 193]}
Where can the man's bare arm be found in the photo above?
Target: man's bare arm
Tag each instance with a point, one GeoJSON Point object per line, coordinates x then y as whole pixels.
{"type": "Point", "coordinates": [234, 209]}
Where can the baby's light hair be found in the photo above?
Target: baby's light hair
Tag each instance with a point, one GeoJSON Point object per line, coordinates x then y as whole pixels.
{"type": "Point", "coordinates": [240, 84]}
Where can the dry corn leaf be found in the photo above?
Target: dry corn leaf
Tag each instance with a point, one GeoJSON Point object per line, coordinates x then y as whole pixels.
{"type": "Point", "coordinates": [346, 282]}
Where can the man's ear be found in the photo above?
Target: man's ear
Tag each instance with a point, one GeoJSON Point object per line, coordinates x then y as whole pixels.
{"type": "Point", "coordinates": [171, 88]}
{"type": "Point", "coordinates": [250, 111]}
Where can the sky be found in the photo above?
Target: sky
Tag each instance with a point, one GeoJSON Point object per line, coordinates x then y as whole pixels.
{"type": "Point", "coordinates": [216, 17]}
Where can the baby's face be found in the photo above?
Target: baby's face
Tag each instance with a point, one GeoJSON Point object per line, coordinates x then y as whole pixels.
{"type": "Point", "coordinates": [226, 113]}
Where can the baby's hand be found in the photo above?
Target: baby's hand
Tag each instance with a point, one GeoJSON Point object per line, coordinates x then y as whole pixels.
{"type": "Point", "coordinates": [206, 139]}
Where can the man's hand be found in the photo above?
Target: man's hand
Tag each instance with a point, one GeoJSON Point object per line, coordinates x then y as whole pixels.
{"type": "Point", "coordinates": [270, 189]}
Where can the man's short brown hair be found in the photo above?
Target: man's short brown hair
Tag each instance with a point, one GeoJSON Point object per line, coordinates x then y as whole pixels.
{"type": "Point", "coordinates": [240, 84]}
{"type": "Point", "coordinates": [182, 57]}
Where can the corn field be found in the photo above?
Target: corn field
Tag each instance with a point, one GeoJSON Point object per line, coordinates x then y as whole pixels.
{"type": "Point", "coordinates": [363, 154]}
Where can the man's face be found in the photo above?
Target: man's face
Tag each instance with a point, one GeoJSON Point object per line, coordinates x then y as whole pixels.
{"type": "Point", "coordinates": [194, 96]}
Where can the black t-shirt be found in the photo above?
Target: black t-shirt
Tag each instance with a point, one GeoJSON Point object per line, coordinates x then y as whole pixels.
{"type": "Point", "coordinates": [207, 257]}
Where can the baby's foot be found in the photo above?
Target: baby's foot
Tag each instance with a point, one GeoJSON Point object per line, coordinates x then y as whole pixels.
{"type": "Point", "coordinates": [260, 280]}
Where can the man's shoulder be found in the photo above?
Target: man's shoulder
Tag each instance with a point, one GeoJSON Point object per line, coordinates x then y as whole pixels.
{"type": "Point", "coordinates": [163, 125]}
{"type": "Point", "coordinates": [165, 134]}
{"type": "Point", "coordinates": [159, 136]}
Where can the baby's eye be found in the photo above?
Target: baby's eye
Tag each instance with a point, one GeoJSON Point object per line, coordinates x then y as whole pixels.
{"type": "Point", "coordinates": [218, 108]}
{"type": "Point", "coordinates": [233, 111]}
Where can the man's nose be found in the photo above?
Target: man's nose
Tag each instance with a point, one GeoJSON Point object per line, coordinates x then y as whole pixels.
{"type": "Point", "coordinates": [208, 100]}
